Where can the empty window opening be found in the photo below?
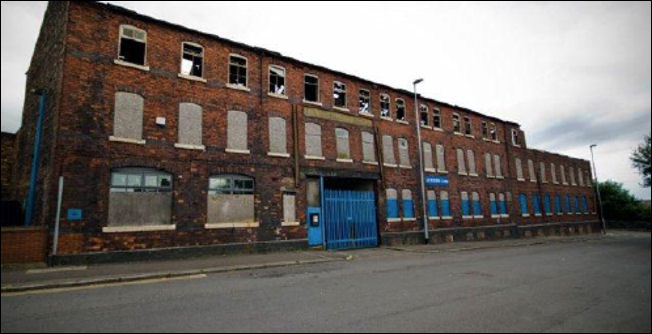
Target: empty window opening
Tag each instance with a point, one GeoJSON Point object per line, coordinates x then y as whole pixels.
{"type": "Point", "coordinates": [339, 94]}
{"type": "Point", "coordinates": [364, 104]}
{"type": "Point", "coordinates": [384, 105]}
{"type": "Point", "coordinates": [436, 118]}
{"type": "Point", "coordinates": [467, 125]}
{"type": "Point", "coordinates": [238, 71]}
{"type": "Point", "coordinates": [423, 110]}
{"type": "Point", "coordinates": [456, 123]}
{"type": "Point", "coordinates": [400, 110]}
{"type": "Point", "coordinates": [277, 80]}
{"type": "Point", "coordinates": [311, 88]}
{"type": "Point", "coordinates": [192, 60]}
{"type": "Point", "coordinates": [133, 45]}
{"type": "Point", "coordinates": [493, 132]}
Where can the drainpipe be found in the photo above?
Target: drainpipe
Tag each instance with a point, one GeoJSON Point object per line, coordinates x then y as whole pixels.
{"type": "Point", "coordinates": [417, 122]}
{"type": "Point", "coordinates": [29, 207]}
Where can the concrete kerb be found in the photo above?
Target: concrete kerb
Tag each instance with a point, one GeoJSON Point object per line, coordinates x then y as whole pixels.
{"type": "Point", "coordinates": [162, 275]}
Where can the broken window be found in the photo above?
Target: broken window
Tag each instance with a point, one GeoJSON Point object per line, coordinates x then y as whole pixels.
{"type": "Point", "coordinates": [364, 105]}
{"type": "Point", "coordinates": [339, 94]}
{"type": "Point", "coordinates": [436, 118]}
{"type": "Point", "coordinates": [400, 110]}
{"type": "Point", "coordinates": [423, 111]}
{"type": "Point", "coordinates": [277, 80]}
{"type": "Point", "coordinates": [132, 180]}
{"type": "Point", "coordinates": [515, 139]}
{"type": "Point", "coordinates": [384, 106]}
{"type": "Point", "coordinates": [485, 130]}
{"type": "Point", "coordinates": [140, 196]}
{"type": "Point", "coordinates": [456, 124]}
{"type": "Point", "coordinates": [238, 71]}
{"type": "Point", "coordinates": [230, 185]}
{"type": "Point", "coordinates": [493, 132]}
{"type": "Point", "coordinates": [192, 60]}
{"type": "Point", "coordinates": [133, 45]}
{"type": "Point", "coordinates": [311, 88]}
{"type": "Point", "coordinates": [467, 126]}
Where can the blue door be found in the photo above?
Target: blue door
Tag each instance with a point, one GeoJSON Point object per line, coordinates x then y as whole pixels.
{"type": "Point", "coordinates": [315, 226]}
{"type": "Point", "coordinates": [350, 219]}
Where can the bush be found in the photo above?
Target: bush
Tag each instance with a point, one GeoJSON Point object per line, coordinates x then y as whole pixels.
{"type": "Point", "coordinates": [621, 209]}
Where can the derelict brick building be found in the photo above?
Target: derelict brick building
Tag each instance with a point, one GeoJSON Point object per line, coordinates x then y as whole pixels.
{"type": "Point", "coordinates": [170, 137]}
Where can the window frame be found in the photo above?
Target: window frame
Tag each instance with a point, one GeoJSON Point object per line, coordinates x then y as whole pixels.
{"type": "Point", "coordinates": [317, 94]}
{"type": "Point", "coordinates": [269, 80]}
{"type": "Point", "coordinates": [142, 172]}
{"type": "Point", "coordinates": [402, 103]}
{"type": "Point", "coordinates": [341, 91]}
{"type": "Point", "coordinates": [231, 189]}
{"type": "Point", "coordinates": [246, 67]}
{"type": "Point", "coordinates": [369, 112]}
{"type": "Point", "coordinates": [121, 35]}
{"type": "Point", "coordinates": [193, 44]}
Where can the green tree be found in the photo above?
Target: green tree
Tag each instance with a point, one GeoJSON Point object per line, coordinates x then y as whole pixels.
{"type": "Point", "coordinates": [641, 160]}
{"type": "Point", "coordinates": [620, 205]}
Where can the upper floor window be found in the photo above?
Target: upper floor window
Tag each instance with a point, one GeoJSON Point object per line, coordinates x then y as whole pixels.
{"type": "Point", "coordinates": [342, 143]}
{"type": "Point", "coordinates": [277, 80]}
{"type": "Point", "coordinates": [313, 140]}
{"type": "Point", "coordinates": [485, 130]}
{"type": "Point", "coordinates": [192, 59]}
{"type": "Point", "coordinates": [403, 152]}
{"type": "Point", "coordinates": [493, 132]}
{"type": "Point", "coordinates": [368, 147]}
{"type": "Point", "coordinates": [467, 126]}
{"type": "Point", "coordinates": [133, 45]}
{"type": "Point", "coordinates": [423, 111]}
{"type": "Point", "coordinates": [364, 101]}
{"type": "Point", "coordinates": [128, 116]}
{"type": "Point", "coordinates": [311, 88]}
{"type": "Point", "coordinates": [236, 132]}
{"type": "Point", "coordinates": [400, 110]}
{"type": "Point", "coordinates": [457, 128]}
{"type": "Point", "coordinates": [515, 139]}
{"type": "Point", "coordinates": [339, 94]}
{"type": "Point", "coordinates": [384, 106]}
{"type": "Point", "coordinates": [237, 70]}
{"type": "Point", "coordinates": [436, 118]}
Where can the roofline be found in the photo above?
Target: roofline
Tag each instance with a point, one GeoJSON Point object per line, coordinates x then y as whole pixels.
{"type": "Point", "coordinates": [267, 52]}
{"type": "Point", "coordinates": [557, 154]}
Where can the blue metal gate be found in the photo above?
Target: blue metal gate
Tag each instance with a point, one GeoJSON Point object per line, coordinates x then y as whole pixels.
{"type": "Point", "coordinates": [350, 219]}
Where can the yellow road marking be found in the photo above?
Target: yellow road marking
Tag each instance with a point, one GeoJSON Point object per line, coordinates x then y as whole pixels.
{"type": "Point", "coordinates": [98, 286]}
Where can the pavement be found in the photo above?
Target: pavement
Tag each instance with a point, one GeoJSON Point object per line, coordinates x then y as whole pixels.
{"type": "Point", "coordinates": [582, 284]}
{"type": "Point", "coordinates": [29, 277]}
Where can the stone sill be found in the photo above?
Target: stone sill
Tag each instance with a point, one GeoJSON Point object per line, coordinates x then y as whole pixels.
{"type": "Point", "coordinates": [314, 103]}
{"type": "Point", "coordinates": [442, 171]}
{"type": "Point", "coordinates": [366, 114]}
{"type": "Point", "coordinates": [405, 167]}
{"type": "Point", "coordinates": [393, 220]}
{"type": "Point", "coordinates": [490, 177]}
{"type": "Point", "coordinates": [191, 77]}
{"type": "Point", "coordinates": [521, 180]}
{"type": "Point", "coordinates": [390, 165]}
{"type": "Point", "coordinates": [143, 228]}
{"type": "Point", "coordinates": [231, 225]}
{"type": "Point", "coordinates": [127, 140]}
{"type": "Point", "coordinates": [238, 87]}
{"type": "Point", "coordinates": [290, 223]}
{"type": "Point", "coordinates": [278, 96]}
{"type": "Point", "coordinates": [500, 177]}
{"type": "Point", "coordinates": [387, 118]}
{"type": "Point", "coordinates": [478, 217]}
{"type": "Point", "coordinates": [458, 134]}
{"type": "Point", "coordinates": [370, 163]}
{"type": "Point", "coordinates": [232, 150]}
{"type": "Point", "coordinates": [537, 215]}
{"type": "Point", "coordinates": [190, 147]}
{"type": "Point", "coordinates": [433, 217]}
{"type": "Point", "coordinates": [344, 160]}
{"type": "Point", "coordinates": [447, 217]}
{"type": "Point", "coordinates": [467, 217]}
{"type": "Point", "coordinates": [473, 174]}
{"type": "Point", "coordinates": [462, 173]}
{"type": "Point", "coordinates": [400, 121]}
{"type": "Point", "coordinates": [437, 129]}
{"type": "Point", "coordinates": [408, 219]}
{"type": "Point", "coordinates": [525, 215]}
{"type": "Point", "coordinates": [126, 64]}
{"type": "Point", "coordinates": [469, 136]}
{"type": "Point", "coordinates": [426, 127]}
{"type": "Point", "coordinates": [430, 170]}
{"type": "Point", "coordinates": [343, 109]}
{"type": "Point", "coordinates": [278, 155]}
{"type": "Point", "coordinates": [314, 157]}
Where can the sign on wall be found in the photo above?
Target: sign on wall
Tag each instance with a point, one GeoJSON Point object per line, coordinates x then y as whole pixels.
{"type": "Point", "coordinates": [437, 181]}
{"type": "Point", "coordinates": [74, 214]}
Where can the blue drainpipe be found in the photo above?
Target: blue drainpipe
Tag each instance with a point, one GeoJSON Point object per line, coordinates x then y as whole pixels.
{"type": "Point", "coordinates": [29, 207]}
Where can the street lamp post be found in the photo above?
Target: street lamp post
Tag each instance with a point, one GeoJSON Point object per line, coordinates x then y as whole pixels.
{"type": "Point", "coordinates": [423, 187]}
{"type": "Point", "coordinates": [597, 189]}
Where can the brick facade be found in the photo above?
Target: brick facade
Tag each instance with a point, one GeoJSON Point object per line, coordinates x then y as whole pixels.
{"type": "Point", "coordinates": [81, 39]}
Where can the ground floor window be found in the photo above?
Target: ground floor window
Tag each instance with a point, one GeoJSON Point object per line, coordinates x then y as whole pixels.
{"type": "Point", "coordinates": [140, 196]}
{"type": "Point", "coordinates": [230, 199]}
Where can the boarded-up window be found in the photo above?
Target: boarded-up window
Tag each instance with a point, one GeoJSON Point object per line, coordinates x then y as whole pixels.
{"type": "Point", "coordinates": [465, 205]}
{"type": "Point", "coordinates": [580, 177]}
{"type": "Point", "coordinates": [313, 140]}
{"type": "Point", "coordinates": [236, 131]}
{"type": "Point", "coordinates": [433, 210]}
{"type": "Point", "coordinates": [388, 150]}
{"type": "Point", "coordinates": [128, 116]}
{"type": "Point", "coordinates": [519, 169]}
{"type": "Point", "coordinates": [497, 166]}
{"type": "Point", "coordinates": [342, 138]}
{"type": "Point", "coordinates": [392, 203]}
{"type": "Point", "coordinates": [427, 156]}
{"type": "Point", "coordinates": [488, 165]}
{"type": "Point", "coordinates": [477, 206]}
{"type": "Point", "coordinates": [441, 160]}
{"type": "Point", "coordinates": [571, 173]}
{"type": "Point", "coordinates": [461, 167]}
{"type": "Point", "coordinates": [312, 192]}
{"type": "Point", "coordinates": [408, 204]}
{"type": "Point", "coordinates": [530, 167]}
{"type": "Point", "coordinates": [553, 173]}
{"type": "Point", "coordinates": [470, 156]}
{"type": "Point", "coordinates": [542, 167]}
{"type": "Point", "coordinates": [368, 148]}
{"type": "Point", "coordinates": [139, 197]}
{"type": "Point", "coordinates": [190, 124]}
{"type": "Point", "coordinates": [403, 152]}
{"type": "Point", "coordinates": [230, 199]}
{"type": "Point", "coordinates": [562, 171]}
{"type": "Point", "coordinates": [445, 204]}
{"type": "Point", "coordinates": [277, 136]}
{"type": "Point", "coordinates": [289, 208]}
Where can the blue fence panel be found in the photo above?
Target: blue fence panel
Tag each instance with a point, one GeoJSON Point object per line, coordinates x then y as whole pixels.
{"type": "Point", "coordinates": [350, 219]}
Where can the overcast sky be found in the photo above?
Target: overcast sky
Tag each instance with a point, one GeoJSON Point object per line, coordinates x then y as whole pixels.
{"type": "Point", "coordinates": [571, 74]}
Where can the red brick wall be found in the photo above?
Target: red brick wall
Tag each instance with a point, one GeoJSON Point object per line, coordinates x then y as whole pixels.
{"type": "Point", "coordinates": [22, 245]}
{"type": "Point", "coordinates": [8, 155]}
{"type": "Point", "coordinates": [85, 156]}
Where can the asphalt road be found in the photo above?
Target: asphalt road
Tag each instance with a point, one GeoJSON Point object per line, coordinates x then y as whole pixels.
{"type": "Point", "coordinates": [590, 286]}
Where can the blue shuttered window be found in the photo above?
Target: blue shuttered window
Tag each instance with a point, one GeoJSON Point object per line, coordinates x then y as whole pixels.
{"type": "Point", "coordinates": [558, 207]}
{"type": "Point", "coordinates": [503, 204]}
{"type": "Point", "coordinates": [546, 204]}
{"type": "Point", "coordinates": [392, 203]}
{"type": "Point", "coordinates": [432, 204]}
{"type": "Point", "coordinates": [408, 206]}
{"type": "Point", "coordinates": [536, 204]}
{"type": "Point", "coordinates": [477, 206]}
{"type": "Point", "coordinates": [576, 205]}
{"type": "Point", "coordinates": [445, 204]}
{"type": "Point", "coordinates": [585, 204]}
{"type": "Point", "coordinates": [466, 207]}
{"type": "Point", "coordinates": [569, 210]}
{"type": "Point", "coordinates": [493, 204]}
{"type": "Point", "coordinates": [522, 198]}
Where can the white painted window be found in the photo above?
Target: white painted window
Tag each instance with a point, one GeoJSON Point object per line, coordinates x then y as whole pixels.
{"type": "Point", "coordinates": [277, 80]}
{"type": "Point", "coordinates": [192, 59]}
{"type": "Point", "coordinates": [133, 45]}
